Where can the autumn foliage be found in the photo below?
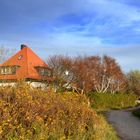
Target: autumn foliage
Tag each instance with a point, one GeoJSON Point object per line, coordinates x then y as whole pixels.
{"type": "Point", "coordinates": [93, 73]}
{"type": "Point", "coordinates": [31, 114]}
{"type": "Point", "coordinates": [133, 82]}
{"type": "Point", "coordinates": [34, 114]}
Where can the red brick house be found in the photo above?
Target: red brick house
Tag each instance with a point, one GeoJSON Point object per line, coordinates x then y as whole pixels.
{"type": "Point", "coordinates": [25, 64]}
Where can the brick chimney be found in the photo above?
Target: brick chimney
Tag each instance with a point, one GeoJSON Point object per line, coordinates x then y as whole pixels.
{"type": "Point", "coordinates": [23, 46]}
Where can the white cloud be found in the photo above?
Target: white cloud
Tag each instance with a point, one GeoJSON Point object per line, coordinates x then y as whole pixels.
{"type": "Point", "coordinates": [71, 39]}
{"type": "Point", "coordinates": [115, 9]}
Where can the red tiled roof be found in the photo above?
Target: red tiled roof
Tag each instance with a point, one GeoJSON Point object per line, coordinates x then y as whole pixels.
{"type": "Point", "coordinates": [27, 60]}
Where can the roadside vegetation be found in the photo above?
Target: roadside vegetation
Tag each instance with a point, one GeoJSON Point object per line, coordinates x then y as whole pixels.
{"type": "Point", "coordinates": [136, 113]}
{"type": "Point", "coordinates": [134, 87]}
{"type": "Point", "coordinates": [35, 114]}
{"type": "Point", "coordinates": [133, 82]}
{"type": "Point", "coordinates": [100, 78]}
{"type": "Point", "coordinates": [105, 102]}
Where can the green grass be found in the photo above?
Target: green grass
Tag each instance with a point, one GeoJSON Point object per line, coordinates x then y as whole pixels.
{"type": "Point", "coordinates": [107, 101]}
{"type": "Point", "coordinates": [136, 113]}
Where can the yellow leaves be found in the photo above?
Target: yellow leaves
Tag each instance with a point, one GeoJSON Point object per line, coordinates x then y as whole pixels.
{"type": "Point", "coordinates": [39, 119]}
{"type": "Point", "coordinates": [63, 138]}
{"type": "Point", "coordinates": [1, 130]}
{"type": "Point", "coordinates": [35, 114]}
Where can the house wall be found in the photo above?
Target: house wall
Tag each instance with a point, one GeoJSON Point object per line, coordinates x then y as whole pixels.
{"type": "Point", "coordinates": [8, 84]}
{"type": "Point", "coordinates": [32, 84]}
{"type": "Point", "coordinates": [38, 85]}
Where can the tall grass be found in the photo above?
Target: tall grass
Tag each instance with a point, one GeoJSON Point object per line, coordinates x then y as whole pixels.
{"type": "Point", "coordinates": [103, 102]}
{"type": "Point", "coordinates": [38, 115]}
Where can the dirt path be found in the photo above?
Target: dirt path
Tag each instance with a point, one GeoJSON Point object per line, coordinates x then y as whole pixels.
{"type": "Point", "coordinates": [127, 126]}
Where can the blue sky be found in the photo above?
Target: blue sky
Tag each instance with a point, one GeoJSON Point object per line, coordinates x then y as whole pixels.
{"type": "Point", "coordinates": [74, 27]}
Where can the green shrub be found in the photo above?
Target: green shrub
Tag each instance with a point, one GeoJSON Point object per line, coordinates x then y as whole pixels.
{"type": "Point", "coordinates": [105, 101]}
{"type": "Point", "coordinates": [136, 113]}
{"type": "Point", "coordinates": [133, 84]}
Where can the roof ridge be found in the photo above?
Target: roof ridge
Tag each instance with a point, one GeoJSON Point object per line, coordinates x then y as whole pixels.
{"type": "Point", "coordinates": [37, 56]}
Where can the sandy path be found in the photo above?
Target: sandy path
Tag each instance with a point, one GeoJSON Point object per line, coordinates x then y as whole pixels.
{"type": "Point", "coordinates": [127, 125]}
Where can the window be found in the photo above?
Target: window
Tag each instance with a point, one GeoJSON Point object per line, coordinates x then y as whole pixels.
{"type": "Point", "coordinates": [6, 70]}
{"type": "Point", "coordinates": [2, 71]}
{"type": "Point", "coordinates": [44, 71]}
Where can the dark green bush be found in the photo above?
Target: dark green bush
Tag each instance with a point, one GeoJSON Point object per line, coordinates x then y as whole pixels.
{"type": "Point", "coordinates": [136, 113]}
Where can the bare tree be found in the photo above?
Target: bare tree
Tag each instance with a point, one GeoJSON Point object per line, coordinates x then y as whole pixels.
{"type": "Point", "coordinates": [62, 69]}
{"type": "Point", "coordinates": [114, 76]}
{"type": "Point", "coordinates": [5, 53]}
